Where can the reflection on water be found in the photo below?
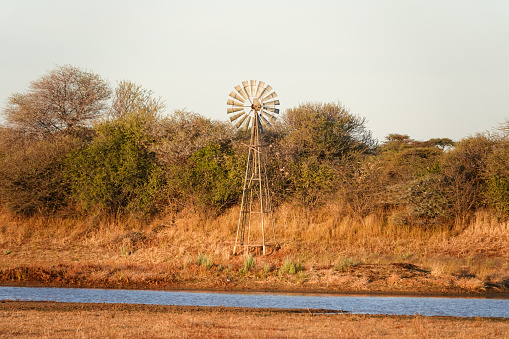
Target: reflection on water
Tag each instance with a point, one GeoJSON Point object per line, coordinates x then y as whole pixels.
{"type": "Point", "coordinates": [459, 307]}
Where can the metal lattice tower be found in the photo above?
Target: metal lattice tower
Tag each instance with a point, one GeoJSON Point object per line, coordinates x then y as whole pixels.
{"type": "Point", "coordinates": [253, 106]}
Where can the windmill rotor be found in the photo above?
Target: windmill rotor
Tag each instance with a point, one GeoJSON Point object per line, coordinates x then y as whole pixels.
{"type": "Point", "coordinates": [252, 102]}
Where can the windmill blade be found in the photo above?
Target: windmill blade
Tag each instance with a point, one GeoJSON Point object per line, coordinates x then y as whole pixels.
{"type": "Point", "coordinates": [270, 96]}
{"type": "Point", "coordinates": [239, 89]}
{"type": "Point", "coordinates": [271, 103]}
{"type": "Point", "coordinates": [245, 87]}
{"type": "Point", "coordinates": [272, 109]}
{"type": "Point", "coordinates": [235, 103]}
{"type": "Point", "coordinates": [270, 117]}
{"type": "Point", "coordinates": [256, 97]}
{"type": "Point", "coordinates": [236, 96]}
{"type": "Point", "coordinates": [259, 89]}
{"type": "Point", "coordinates": [265, 91]}
{"type": "Point", "coordinates": [234, 109]}
{"type": "Point", "coordinates": [253, 87]}
{"type": "Point", "coordinates": [261, 124]}
{"type": "Point", "coordinates": [246, 126]}
{"type": "Point", "coordinates": [264, 120]}
{"type": "Point", "coordinates": [236, 116]}
{"type": "Point", "coordinates": [239, 123]}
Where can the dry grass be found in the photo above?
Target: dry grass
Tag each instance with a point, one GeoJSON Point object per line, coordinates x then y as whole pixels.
{"type": "Point", "coordinates": [463, 258]}
{"type": "Point", "coordinates": [51, 320]}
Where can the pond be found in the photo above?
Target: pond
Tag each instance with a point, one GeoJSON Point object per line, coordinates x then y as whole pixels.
{"type": "Point", "coordinates": [394, 305]}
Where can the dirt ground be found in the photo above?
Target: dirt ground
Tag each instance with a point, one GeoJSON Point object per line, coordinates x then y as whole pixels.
{"type": "Point", "coordinates": [73, 320]}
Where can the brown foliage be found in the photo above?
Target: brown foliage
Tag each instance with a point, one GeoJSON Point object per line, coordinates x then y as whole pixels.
{"type": "Point", "coordinates": [64, 99]}
{"type": "Point", "coordinates": [463, 169]}
{"type": "Point", "coordinates": [31, 172]}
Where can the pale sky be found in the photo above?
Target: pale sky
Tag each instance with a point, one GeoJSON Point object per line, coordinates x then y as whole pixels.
{"type": "Point", "coordinates": [435, 68]}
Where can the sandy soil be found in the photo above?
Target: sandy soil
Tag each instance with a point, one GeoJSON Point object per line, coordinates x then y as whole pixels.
{"type": "Point", "coordinates": [71, 320]}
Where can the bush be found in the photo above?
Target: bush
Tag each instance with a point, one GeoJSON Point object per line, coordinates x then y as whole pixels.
{"type": "Point", "coordinates": [212, 177]}
{"type": "Point", "coordinates": [325, 131]}
{"type": "Point", "coordinates": [496, 194]}
{"type": "Point", "coordinates": [427, 198]}
{"type": "Point", "coordinates": [315, 137]}
{"type": "Point", "coordinates": [117, 172]}
{"type": "Point", "coordinates": [345, 263]}
{"type": "Point", "coordinates": [249, 263]}
{"type": "Point", "coordinates": [463, 169]}
{"type": "Point", "coordinates": [290, 267]}
{"type": "Point", "coordinates": [32, 172]}
{"type": "Point", "coordinates": [361, 185]}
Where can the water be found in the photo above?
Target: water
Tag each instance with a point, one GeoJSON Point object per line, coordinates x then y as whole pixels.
{"type": "Point", "coordinates": [426, 306]}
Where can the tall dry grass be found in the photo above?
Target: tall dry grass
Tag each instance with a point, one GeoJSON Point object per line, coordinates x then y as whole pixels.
{"type": "Point", "coordinates": [318, 237]}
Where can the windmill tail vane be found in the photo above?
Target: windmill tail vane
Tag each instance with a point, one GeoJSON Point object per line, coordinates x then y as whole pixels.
{"type": "Point", "coordinates": [253, 105]}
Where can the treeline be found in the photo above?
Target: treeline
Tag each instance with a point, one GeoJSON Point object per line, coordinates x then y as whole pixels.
{"type": "Point", "coordinates": [70, 144]}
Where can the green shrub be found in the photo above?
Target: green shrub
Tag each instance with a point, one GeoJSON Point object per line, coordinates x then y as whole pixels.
{"type": "Point", "coordinates": [249, 263]}
{"type": "Point", "coordinates": [496, 194]}
{"type": "Point", "coordinates": [325, 131]}
{"type": "Point", "coordinates": [117, 172]}
{"type": "Point", "coordinates": [290, 267]}
{"type": "Point", "coordinates": [345, 263]}
{"type": "Point", "coordinates": [212, 177]}
{"type": "Point", "coordinates": [204, 260]}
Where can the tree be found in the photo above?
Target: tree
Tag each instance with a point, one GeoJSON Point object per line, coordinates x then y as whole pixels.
{"type": "Point", "coordinates": [213, 176]}
{"type": "Point", "coordinates": [65, 99]}
{"type": "Point", "coordinates": [118, 171]}
{"type": "Point", "coordinates": [183, 133]}
{"type": "Point", "coordinates": [130, 98]}
{"type": "Point", "coordinates": [504, 128]}
{"type": "Point", "coordinates": [325, 130]}
{"type": "Point", "coordinates": [464, 168]}
{"type": "Point", "coordinates": [200, 159]}
{"type": "Point", "coordinates": [315, 139]}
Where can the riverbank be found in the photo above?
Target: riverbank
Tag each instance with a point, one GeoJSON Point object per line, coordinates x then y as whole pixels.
{"type": "Point", "coordinates": [190, 253]}
{"type": "Point", "coordinates": [390, 279]}
{"type": "Point", "coordinates": [39, 320]}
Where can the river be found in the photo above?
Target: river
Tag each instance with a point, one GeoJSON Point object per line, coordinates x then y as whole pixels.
{"type": "Point", "coordinates": [394, 305]}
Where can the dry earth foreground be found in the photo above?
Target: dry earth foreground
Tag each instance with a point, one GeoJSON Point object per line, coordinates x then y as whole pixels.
{"type": "Point", "coordinates": [319, 253]}
{"type": "Point", "coordinates": [70, 320]}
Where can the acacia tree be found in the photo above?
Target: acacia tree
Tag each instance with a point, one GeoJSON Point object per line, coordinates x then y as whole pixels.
{"type": "Point", "coordinates": [66, 98]}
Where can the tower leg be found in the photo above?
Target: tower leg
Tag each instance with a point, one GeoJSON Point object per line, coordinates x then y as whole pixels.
{"type": "Point", "coordinates": [255, 187]}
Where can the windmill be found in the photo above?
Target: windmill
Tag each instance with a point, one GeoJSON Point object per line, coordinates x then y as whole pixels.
{"type": "Point", "coordinates": [252, 105]}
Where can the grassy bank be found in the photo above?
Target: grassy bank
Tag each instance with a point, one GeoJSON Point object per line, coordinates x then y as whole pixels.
{"type": "Point", "coordinates": [37, 320]}
{"type": "Point", "coordinates": [320, 251]}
